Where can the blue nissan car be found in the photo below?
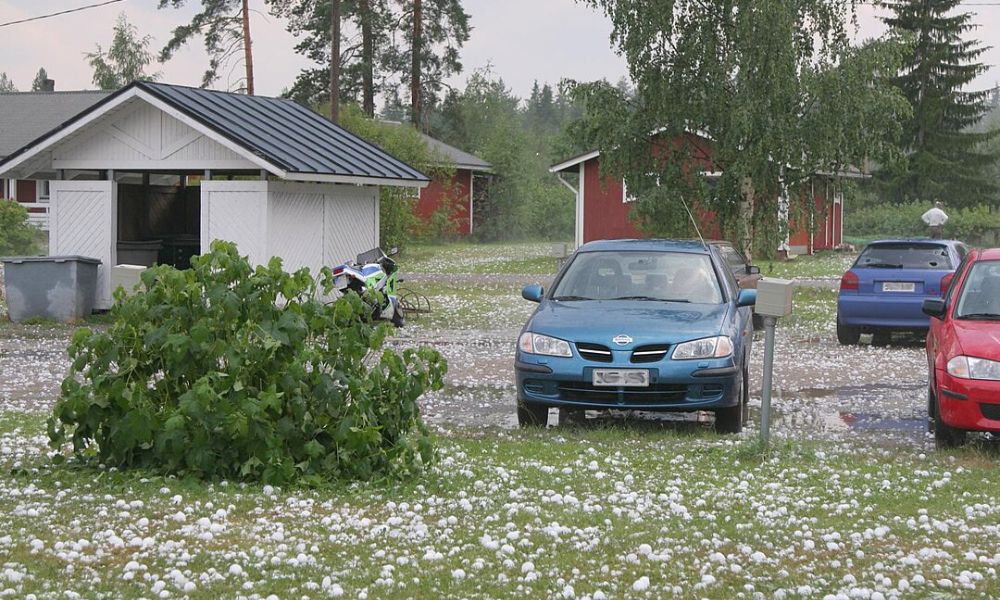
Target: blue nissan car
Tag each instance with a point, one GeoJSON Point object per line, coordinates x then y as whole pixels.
{"type": "Point", "coordinates": [884, 289]}
{"type": "Point", "coordinates": [652, 325]}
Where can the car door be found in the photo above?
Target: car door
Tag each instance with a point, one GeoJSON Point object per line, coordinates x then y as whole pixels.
{"type": "Point", "coordinates": [936, 330]}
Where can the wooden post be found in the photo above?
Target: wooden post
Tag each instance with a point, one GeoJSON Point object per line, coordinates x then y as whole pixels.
{"type": "Point", "coordinates": [415, 57]}
{"type": "Point", "coordinates": [247, 47]}
{"type": "Point", "coordinates": [335, 61]}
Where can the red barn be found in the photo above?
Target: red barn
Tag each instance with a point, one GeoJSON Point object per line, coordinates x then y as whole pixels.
{"type": "Point", "coordinates": [458, 191]}
{"type": "Point", "coordinates": [603, 203]}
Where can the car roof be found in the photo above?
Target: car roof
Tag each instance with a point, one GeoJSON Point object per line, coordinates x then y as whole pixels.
{"type": "Point", "coordinates": [656, 245]}
{"type": "Point", "coordinates": [916, 241]}
{"type": "Point", "coordinates": [989, 254]}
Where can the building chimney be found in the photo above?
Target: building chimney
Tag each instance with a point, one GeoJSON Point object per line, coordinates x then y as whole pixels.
{"type": "Point", "coordinates": [49, 85]}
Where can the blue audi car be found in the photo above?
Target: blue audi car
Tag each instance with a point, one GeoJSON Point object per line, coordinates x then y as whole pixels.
{"type": "Point", "coordinates": [652, 325]}
{"type": "Point", "coordinates": [884, 289]}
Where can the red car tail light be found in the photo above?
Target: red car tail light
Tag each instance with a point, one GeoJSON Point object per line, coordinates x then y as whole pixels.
{"type": "Point", "coordinates": [946, 282]}
{"type": "Point", "coordinates": [849, 282]}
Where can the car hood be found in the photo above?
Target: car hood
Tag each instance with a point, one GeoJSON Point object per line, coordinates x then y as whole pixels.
{"type": "Point", "coordinates": [979, 338]}
{"type": "Point", "coordinates": [646, 322]}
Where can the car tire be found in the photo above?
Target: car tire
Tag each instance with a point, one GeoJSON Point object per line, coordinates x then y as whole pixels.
{"type": "Point", "coordinates": [846, 335]}
{"type": "Point", "coordinates": [758, 322]}
{"type": "Point", "coordinates": [946, 436]}
{"type": "Point", "coordinates": [745, 412]}
{"type": "Point", "coordinates": [572, 416]}
{"type": "Point", "coordinates": [397, 317]}
{"type": "Point", "coordinates": [532, 415]}
{"type": "Point", "coordinates": [730, 419]}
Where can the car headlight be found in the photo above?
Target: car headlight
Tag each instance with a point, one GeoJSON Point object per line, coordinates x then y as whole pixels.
{"type": "Point", "coordinates": [713, 347]}
{"type": "Point", "coordinates": [970, 367]}
{"type": "Point", "coordinates": [536, 343]}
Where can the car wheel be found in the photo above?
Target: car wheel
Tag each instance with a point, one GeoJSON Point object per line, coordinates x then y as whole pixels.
{"type": "Point", "coordinates": [758, 322]}
{"type": "Point", "coordinates": [745, 413]}
{"type": "Point", "coordinates": [846, 335]}
{"type": "Point", "coordinates": [532, 415]}
{"type": "Point", "coordinates": [572, 416]}
{"type": "Point", "coordinates": [946, 436]}
{"type": "Point", "coordinates": [730, 419]}
{"type": "Point", "coordinates": [397, 317]}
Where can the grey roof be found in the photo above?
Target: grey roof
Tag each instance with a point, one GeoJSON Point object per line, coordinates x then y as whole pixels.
{"type": "Point", "coordinates": [284, 133]}
{"type": "Point", "coordinates": [25, 116]}
{"type": "Point", "coordinates": [287, 136]}
{"type": "Point", "coordinates": [456, 157]}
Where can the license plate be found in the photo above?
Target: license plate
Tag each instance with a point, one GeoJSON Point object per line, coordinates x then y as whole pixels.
{"type": "Point", "coordinates": [898, 286]}
{"type": "Point", "coordinates": [621, 377]}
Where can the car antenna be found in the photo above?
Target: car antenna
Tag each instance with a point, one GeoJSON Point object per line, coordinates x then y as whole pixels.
{"type": "Point", "coordinates": [695, 223]}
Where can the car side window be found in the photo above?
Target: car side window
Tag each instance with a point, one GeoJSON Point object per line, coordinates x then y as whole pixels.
{"type": "Point", "coordinates": [962, 266]}
{"type": "Point", "coordinates": [963, 251]}
{"type": "Point", "coordinates": [733, 258]}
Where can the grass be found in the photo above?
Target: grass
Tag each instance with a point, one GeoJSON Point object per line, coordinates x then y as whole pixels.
{"type": "Point", "coordinates": [525, 258]}
{"type": "Point", "coordinates": [813, 310]}
{"type": "Point", "coordinates": [478, 306]}
{"type": "Point", "coordinates": [820, 265]}
{"type": "Point", "coordinates": [529, 514]}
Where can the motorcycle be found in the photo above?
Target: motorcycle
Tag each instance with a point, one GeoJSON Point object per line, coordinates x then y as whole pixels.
{"type": "Point", "coordinates": [373, 271]}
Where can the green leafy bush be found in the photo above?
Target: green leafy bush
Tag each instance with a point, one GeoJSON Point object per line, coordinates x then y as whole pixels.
{"type": "Point", "coordinates": [226, 371]}
{"type": "Point", "coordinates": [17, 235]}
{"type": "Point", "coordinates": [974, 225]}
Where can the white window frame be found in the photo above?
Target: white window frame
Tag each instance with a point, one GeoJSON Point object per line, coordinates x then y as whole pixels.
{"type": "Point", "coordinates": [42, 190]}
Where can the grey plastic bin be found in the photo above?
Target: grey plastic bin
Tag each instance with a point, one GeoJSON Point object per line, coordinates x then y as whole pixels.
{"type": "Point", "coordinates": [62, 288]}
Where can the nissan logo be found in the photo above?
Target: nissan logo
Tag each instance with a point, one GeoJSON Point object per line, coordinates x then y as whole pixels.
{"type": "Point", "coordinates": [622, 339]}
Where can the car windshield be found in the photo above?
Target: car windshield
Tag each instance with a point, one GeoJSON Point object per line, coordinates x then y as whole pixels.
{"type": "Point", "coordinates": [905, 255]}
{"type": "Point", "coordinates": [657, 276]}
{"type": "Point", "coordinates": [980, 297]}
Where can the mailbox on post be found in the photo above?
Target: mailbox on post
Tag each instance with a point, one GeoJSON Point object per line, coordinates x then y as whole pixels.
{"type": "Point", "coordinates": [774, 299]}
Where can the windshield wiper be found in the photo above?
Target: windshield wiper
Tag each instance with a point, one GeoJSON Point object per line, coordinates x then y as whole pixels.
{"type": "Point", "coordinates": [571, 298]}
{"type": "Point", "coordinates": [882, 265]}
{"type": "Point", "coordinates": [651, 298]}
{"type": "Point", "coordinates": [981, 316]}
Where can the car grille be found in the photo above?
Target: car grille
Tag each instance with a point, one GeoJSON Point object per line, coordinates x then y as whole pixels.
{"type": "Point", "coordinates": [654, 394]}
{"type": "Point", "coordinates": [648, 354]}
{"type": "Point", "coordinates": [990, 411]}
{"type": "Point", "coordinates": [594, 352]}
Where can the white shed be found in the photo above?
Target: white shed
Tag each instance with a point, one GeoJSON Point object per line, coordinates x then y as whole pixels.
{"type": "Point", "coordinates": [157, 171]}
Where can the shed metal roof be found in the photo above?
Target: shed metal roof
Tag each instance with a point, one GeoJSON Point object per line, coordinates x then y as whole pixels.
{"type": "Point", "coordinates": [24, 116]}
{"type": "Point", "coordinates": [290, 140]}
{"type": "Point", "coordinates": [456, 157]}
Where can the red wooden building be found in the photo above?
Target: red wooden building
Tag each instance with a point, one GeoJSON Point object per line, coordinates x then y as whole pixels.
{"type": "Point", "coordinates": [603, 203]}
{"type": "Point", "coordinates": [458, 191]}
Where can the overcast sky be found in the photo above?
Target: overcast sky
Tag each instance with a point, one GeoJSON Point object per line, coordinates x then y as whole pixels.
{"type": "Point", "coordinates": [521, 40]}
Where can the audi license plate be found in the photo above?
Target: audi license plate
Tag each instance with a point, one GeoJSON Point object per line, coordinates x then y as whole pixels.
{"type": "Point", "coordinates": [621, 377]}
{"type": "Point", "coordinates": [898, 286]}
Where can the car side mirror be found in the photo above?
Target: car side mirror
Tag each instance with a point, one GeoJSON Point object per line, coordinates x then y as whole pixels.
{"type": "Point", "coordinates": [746, 298]}
{"type": "Point", "coordinates": [753, 270]}
{"type": "Point", "coordinates": [934, 307]}
{"type": "Point", "coordinates": [533, 292]}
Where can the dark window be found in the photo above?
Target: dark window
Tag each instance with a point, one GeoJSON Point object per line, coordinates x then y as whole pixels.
{"type": "Point", "coordinates": [905, 255]}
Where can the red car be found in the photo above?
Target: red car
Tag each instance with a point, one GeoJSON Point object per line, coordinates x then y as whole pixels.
{"type": "Point", "coordinates": [963, 351]}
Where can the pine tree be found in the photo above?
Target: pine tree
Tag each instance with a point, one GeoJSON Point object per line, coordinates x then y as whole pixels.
{"type": "Point", "coordinates": [225, 27]}
{"type": "Point", "coordinates": [39, 83]}
{"type": "Point", "coordinates": [947, 161]}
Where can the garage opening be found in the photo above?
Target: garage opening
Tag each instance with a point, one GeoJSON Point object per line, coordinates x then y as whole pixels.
{"type": "Point", "coordinates": [159, 218]}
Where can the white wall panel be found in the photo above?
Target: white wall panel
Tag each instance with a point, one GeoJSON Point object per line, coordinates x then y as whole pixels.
{"type": "Point", "coordinates": [82, 221]}
{"type": "Point", "coordinates": [236, 211]}
{"type": "Point", "coordinates": [295, 230]}
{"type": "Point", "coordinates": [350, 222]}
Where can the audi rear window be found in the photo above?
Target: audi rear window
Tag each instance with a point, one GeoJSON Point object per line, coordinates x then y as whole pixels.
{"type": "Point", "coordinates": [905, 255]}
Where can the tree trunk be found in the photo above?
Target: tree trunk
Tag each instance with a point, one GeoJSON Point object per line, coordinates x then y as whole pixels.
{"type": "Point", "coordinates": [335, 61]}
{"type": "Point", "coordinates": [367, 59]}
{"type": "Point", "coordinates": [415, 107]}
{"type": "Point", "coordinates": [746, 217]}
{"type": "Point", "coordinates": [247, 47]}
